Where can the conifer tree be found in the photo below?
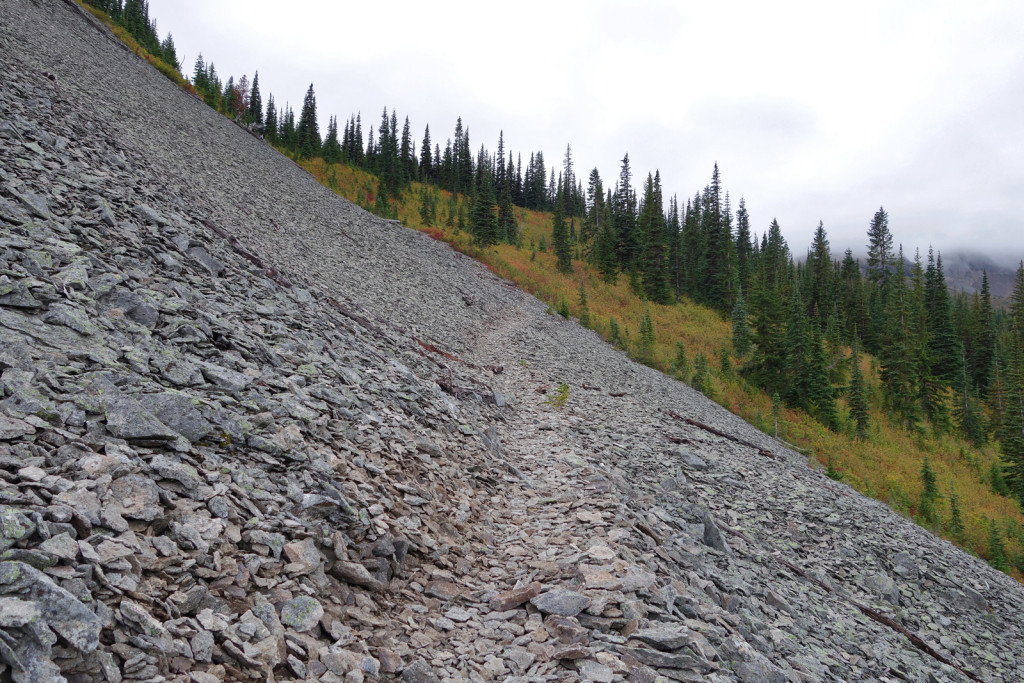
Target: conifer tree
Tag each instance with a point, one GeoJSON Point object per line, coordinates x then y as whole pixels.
{"type": "Point", "coordinates": [483, 222]}
{"type": "Point", "coordinates": [740, 325]}
{"type": "Point", "coordinates": [270, 131]}
{"type": "Point", "coordinates": [560, 238]}
{"type": "Point", "coordinates": [307, 132]}
{"type": "Point", "coordinates": [651, 230]}
{"type": "Point", "coordinates": [331, 150]}
{"type": "Point", "coordinates": [1012, 431]}
{"type": "Point", "coordinates": [857, 395]}
{"type": "Point", "coordinates": [957, 528]}
{"type": "Point", "coordinates": [254, 112]}
{"type": "Point", "coordinates": [426, 160]}
{"type": "Point", "coordinates": [646, 339]}
{"type": "Point", "coordinates": [881, 270]}
{"type": "Point", "coordinates": [929, 493]}
{"type": "Point", "coordinates": [744, 251]}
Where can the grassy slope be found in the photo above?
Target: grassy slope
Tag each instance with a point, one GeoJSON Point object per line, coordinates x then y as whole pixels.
{"type": "Point", "coordinates": [886, 466]}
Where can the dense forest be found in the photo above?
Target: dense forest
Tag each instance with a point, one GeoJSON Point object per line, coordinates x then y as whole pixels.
{"type": "Point", "coordinates": [948, 363]}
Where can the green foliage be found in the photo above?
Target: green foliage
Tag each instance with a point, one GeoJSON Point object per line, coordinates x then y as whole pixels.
{"type": "Point", "coordinates": [740, 326]}
{"type": "Point", "coordinates": [956, 520]}
{"type": "Point", "coordinates": [614, 333]}
{"type": "Point", "coordinates": [997, 556]}
{"type": "Point", "coordinates": [563, 308]}
{"type": "Point", "coordinates": [701, 380]}
{"type": "Point", "coordinates": [559, 398]}
{"type": "Point", "coordinates": [584, 311]}
{"type": "Point", "coordinates": [646, 341]}
{"type": "Point", "coordinates": [680, 365]}
{"type": "Point", "coordinates": [929, 493]}
{"type": "Point", "coordinates": [832, 473]}
{"type": "Point", "coordinates": [857, 396]}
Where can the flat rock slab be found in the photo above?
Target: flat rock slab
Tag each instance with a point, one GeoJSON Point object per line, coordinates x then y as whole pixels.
{"type": "Point", "coordinates": [562, 602]}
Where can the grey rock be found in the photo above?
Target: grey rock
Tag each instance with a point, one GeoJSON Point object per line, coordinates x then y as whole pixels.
{"type": "Point", "coordinates": [562, 602]}
{"type": "Point", "coordinates": [663, 637]}
{"type": "Point", "coordinates": [302, 613]}
{"type": "Point", "coordinates": [208, 262]}
{"type": "Point", "coordinates": [689, 459]}
{"type": "Point", "coordinates": [883, 586]}
{"type": "Point", "coordinates": [127, 419]}
{"type": "Point", "coordinates": [419, 672]}
{"type": "Point", "coordinates": [664, 660]}
{"type": "Point", "coordinates": [14, 527]}
{"type": "Point", "coordinates": [62, 612]}
{"type": "Point", "coordinates": [225, 379]}
{"type": "Point", "coordinates": [11, 428]}
{"type": "Point", "coordinates": [179, 412]}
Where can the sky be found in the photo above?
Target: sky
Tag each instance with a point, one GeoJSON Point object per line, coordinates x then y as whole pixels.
{"type": "Point", "coordinates": [814, 111]}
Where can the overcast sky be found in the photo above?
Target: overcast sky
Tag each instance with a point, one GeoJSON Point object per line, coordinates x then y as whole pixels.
{"type": "Point", "coordinates": [813, 110]}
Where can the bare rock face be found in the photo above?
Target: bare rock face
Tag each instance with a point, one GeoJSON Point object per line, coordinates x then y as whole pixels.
{"type": "Point", "coordinates": [231, 451]}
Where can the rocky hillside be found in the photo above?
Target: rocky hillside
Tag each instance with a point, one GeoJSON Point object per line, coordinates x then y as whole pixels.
{"type": "Point", "coordinates": [249, 431]}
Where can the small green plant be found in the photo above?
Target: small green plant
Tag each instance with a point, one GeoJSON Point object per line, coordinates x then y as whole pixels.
{"type": "Point", "coordinates": [559, 398]}
{"type": "Point", "coordinates": [832, 472]}
{"type": "Point", "coordinates": [563, 308]}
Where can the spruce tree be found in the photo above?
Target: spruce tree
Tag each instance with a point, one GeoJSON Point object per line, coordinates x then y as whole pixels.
{"type": "Point", "coordinates": [857, 396]}
{"type": "Point", "coordinates": [929, 493]}
{"type": "Point", "coordinates": [560, 236]}
{"type": "Point", "coordinates": [270, 125]}
{"type": "Point", "coordinates": [307, 133]}
{"type": "Point", "coordinates": [1012, 432]}
{"type": "Point", "coordinates": [483, 222]}
{"type": "Point", "coordinates": [740, 325]}
{"type": "Point", "coordinates": [254, 113]}
{"type": "Point", "coordinates": [646, 339]}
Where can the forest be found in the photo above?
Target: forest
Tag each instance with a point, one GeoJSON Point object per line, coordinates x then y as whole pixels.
{"type": "Point", "coordinates": [847, 342]}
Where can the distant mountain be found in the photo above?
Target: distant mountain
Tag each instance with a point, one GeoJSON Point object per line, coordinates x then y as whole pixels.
{"type": "Point", "coordinates": [964, 272]}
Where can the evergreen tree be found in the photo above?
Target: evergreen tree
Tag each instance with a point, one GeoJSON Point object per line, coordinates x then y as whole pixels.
{"type": "Point", "coordinates": [254, 113]}
{"type": "Point", "coordinates": [627, 245]}
{"type": "Point", "coordinates": [331, 150]}
{"type": "Point", "coordinates": [654, 255]}
{"type": "Point", "coordinates": [560, 238]}
{"type": "Point", "coordinates": [270, 130]}
{"type": "Point", "coordinates": [929, 493]}
{"type": "Point", "coordinates": [646, 339]}
{"type": "Point", "coordinates": [740, 325]}
{"type": "Point", "coordinates": [881, 269]}
{"type": "Point", "coordinates": [957, 528]}
{"type": "Point", "coordinates": [1012, 432]}
{"type": "Point", "coordinates": [857, 396]}
{"type": "Point", "coordinates": [744, 251]}
{"type": "Point", "coordinates": [307, 132]}
{"type": "Point", "coordinates": [820, 393]}
{"type": "Point", "coordinates": [426, 161]}
{"type": "Point", "coordinates": [483, 222]}
{"type": "Point", "coordinates": [984, 338]}
{"type": "Point", "coordinates": [168, 53]}
{"type": "Point", "coordinates": [899, 356]}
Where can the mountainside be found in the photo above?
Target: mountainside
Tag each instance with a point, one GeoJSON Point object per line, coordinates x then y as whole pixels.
{"type": "Point", "coordinates": [250, 431]}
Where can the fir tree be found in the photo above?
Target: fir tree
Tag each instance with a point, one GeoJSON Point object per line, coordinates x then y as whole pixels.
{"type": "Point", "coordinates": [857, 396]}
{"type": "Point", "coordinates": [646, 339]}
{"type": "Point", "coordinates": [584, 311]}
{"type": "Point", "coordinates": [929, 493]}
{"type": "Point", "coordinates": [254, 113]}
{"type": "Point", "coordinates": [740, 325]}
{"type": "Point", "coordinates": [307, 132]}
{"type": "Point", "coordinates": [560, 239]}
{"type": "Point", "coordinates": [957, 528]}
{"type": "Point", "coordinates": [483, 222]}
